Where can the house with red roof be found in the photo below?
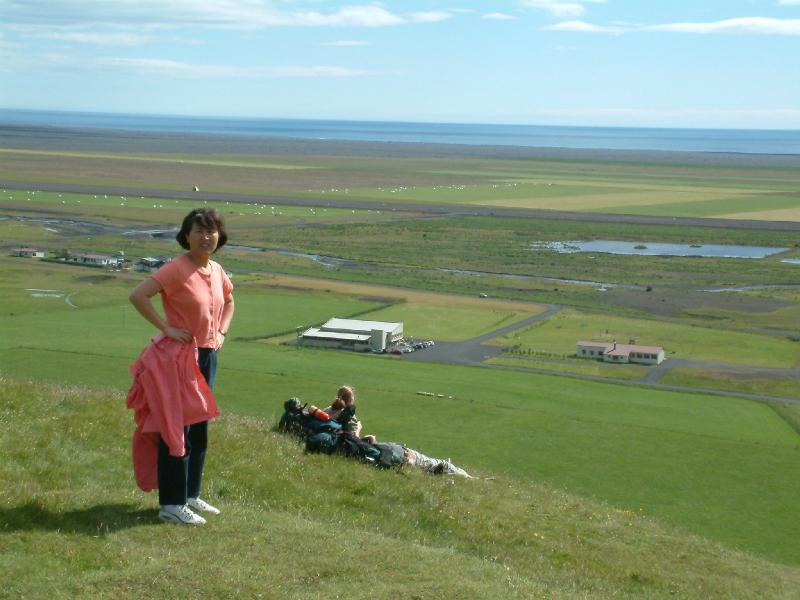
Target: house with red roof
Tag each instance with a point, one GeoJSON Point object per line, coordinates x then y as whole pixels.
{"type": "Point", "coordinates": [621, 353]}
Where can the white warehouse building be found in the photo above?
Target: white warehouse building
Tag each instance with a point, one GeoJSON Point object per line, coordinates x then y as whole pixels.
{"type": "Point", "coordinates": [353, 334]}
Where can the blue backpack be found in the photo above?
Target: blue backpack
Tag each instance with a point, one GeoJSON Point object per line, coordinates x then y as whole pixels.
{"type": "Point", "coordinates": [320, 436]}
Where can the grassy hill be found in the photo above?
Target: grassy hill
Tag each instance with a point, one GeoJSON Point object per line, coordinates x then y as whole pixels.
{"type": "Point", "coordinates": [698, 462]}
{"type": "Point", "coordinates": [73, 524]}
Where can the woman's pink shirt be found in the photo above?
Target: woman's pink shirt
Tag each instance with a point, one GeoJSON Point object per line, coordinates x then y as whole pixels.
{"type": "Point", "coordinates": [193, 300]}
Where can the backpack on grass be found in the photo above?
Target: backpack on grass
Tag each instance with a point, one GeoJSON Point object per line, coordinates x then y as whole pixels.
{"type": "Point", "coordinates": [328, 437]}
{"type": "Point", "coordinates": [385, 455]}
{"type": "Point", "coordinates": [320, 436]}
{"type": "Point", "coordinates": [297, 419]}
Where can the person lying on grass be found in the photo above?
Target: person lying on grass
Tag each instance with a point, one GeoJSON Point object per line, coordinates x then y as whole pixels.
{"type": "Point", "coordinates": [344, 404]}
{"type": "Point", "coordinates": [414, 458]}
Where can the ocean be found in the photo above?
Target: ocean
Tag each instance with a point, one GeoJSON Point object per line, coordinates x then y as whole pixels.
{"type": "Point", "coordinates": [744, 141]}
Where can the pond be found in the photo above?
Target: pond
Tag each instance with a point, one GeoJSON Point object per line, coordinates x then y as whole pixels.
{"type": "Point", "coordinates": [658, 249]}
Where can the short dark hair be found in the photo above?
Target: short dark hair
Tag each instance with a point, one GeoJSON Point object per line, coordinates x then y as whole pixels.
{"type": "Point", "coordinates": [207, 218]}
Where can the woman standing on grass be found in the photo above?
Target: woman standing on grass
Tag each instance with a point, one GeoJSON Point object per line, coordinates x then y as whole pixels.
{"type": "Point", "coordinates": [197, 298]}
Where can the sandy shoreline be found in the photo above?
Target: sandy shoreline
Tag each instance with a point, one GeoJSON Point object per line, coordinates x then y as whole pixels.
{"type": "Point", "coordinates": [115, 140]}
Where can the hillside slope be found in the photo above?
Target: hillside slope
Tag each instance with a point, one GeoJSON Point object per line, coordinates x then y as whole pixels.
{"type": "Point", "coordinates": [73, 524]}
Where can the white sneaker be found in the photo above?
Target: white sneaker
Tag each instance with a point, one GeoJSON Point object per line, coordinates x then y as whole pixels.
{"type": "Point", "coordinates": [202, 505]}
{"type": "Point", "coordinates": [179, 513]}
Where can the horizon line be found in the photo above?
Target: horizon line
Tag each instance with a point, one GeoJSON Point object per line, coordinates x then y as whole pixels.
{"type": "Point", "coordinates": [386, 120]}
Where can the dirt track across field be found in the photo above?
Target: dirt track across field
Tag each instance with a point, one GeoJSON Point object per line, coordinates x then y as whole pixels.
{"type": "Point", "coordinates": [404, 207]}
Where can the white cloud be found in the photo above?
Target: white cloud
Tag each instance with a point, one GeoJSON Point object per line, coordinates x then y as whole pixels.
{"type": "Point", "coordinates": [583, 27]}
{"type": "Point", "coordinates": [429, 17]}
{"type": "Point", "coordinates": [745, 25]}
{"type": "Point", "coordinates": [229, 14]}
{"type": "Point", "coordinates": [559, 8]}
{"type": "Point", "coordinates": [349, 16]}
{"type": "Point", "coordinates": [346, 43]}
{"type": "Point", "coordinates": [104, 39]}
{"type": "Point", "coordinates": [789, 2]}
{"type": "Point", "coordinates": [172, 68]}
{"type": "Point", "coordinates": [499, 17]}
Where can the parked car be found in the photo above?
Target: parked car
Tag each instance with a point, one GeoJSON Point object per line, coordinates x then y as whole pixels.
{"type": "Point", "coordinates": [407, 350]}
{"type": "Point", "coordinates": [395, 351]}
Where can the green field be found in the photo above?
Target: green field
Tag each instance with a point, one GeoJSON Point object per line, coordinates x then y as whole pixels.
{"type": "Point", "coordinates": [787, 318]}
{"type": "Point", "coordinates": [561, 332]}
{"type": "Point", "coordinates": [575, 366]}
{"type": "Point", "coordinates": [390, 247]}
{"type": "Point", "coordinates": [74, 526]}
{"type": "Point", "coordinates": [140, 210]}
{"type": "Point", "coordinates": [581, 185]}
{"type": "Point", "coordinates": [783, 387]}
{"type": "Point", "coordinates": [602, 489]}
{"type": "Point", "coordinates": [683, 451]}
{"type": "Point", "coordinates": [449, 323]}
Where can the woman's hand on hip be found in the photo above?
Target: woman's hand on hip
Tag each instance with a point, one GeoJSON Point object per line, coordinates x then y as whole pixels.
{"type": "Point", "coordinates": [220, 341]}
{"type": "Point", "coordinates": [180, 335]}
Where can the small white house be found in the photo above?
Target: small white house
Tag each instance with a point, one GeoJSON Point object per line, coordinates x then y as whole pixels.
{"type": "Point", "coordinates": [27, 252]}
{"type": "Point", "coordinates": [621, 353]}
{"type": "Point", "coordinates": [96, 259]}
{"type": "Point", "coordinates": [101, 260]}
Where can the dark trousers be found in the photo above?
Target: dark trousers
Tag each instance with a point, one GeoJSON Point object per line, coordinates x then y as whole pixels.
{"type": "Point", "coordinates": [179, 478]}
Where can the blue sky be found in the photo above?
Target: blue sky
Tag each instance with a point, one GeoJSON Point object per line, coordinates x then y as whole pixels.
{"type": "Point", "coordinates": [680, 63]}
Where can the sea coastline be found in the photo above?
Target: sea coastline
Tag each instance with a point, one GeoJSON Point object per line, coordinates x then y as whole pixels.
{"type": "Point", "coordinates": [97, 139]}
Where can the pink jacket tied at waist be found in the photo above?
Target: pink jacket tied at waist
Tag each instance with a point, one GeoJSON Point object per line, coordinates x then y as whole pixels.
{"type": "Point", "coordinates": [168, 392]}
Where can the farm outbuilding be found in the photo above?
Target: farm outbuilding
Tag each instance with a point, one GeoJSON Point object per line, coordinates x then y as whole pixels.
{"type": "Point", "coordinates": [27, 252]}
{"type": "Point", "coordinates": [97, 260]}
{"type": "Point", "coordinates": [621, 353]}
{"type": "Point", "coordinates": [353, 334]}
{"type": "Point", "coordinates": [150, 263]}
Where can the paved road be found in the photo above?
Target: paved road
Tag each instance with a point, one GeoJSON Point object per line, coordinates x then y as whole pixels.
{"type": "Point", "coordinates": [473, 352]}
